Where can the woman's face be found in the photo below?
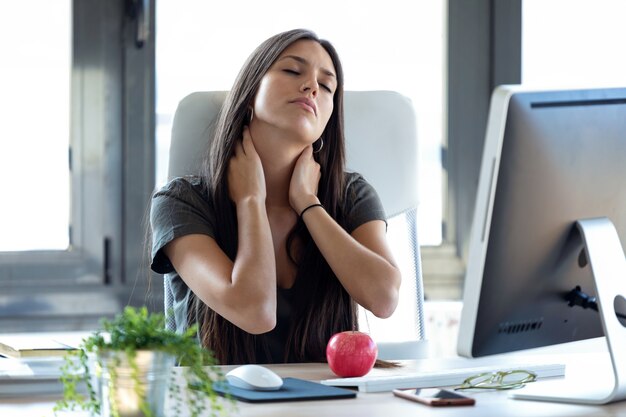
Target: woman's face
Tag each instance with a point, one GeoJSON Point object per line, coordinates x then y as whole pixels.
{"type": "Point", "coordinates": [296, 93]}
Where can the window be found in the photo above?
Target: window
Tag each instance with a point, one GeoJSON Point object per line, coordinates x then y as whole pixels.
{"type": "Point", "coordinates": [71, 240]}
{"type": "Point", "coordinates": [394, 45]}
{"type": "Point", "coordinates": [573, 43]}
{"type": "Point", "coordinates": [35, 107]}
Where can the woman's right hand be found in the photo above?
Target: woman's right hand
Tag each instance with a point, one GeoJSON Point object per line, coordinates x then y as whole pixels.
{"type": "Point", "coordinates": [246, 178]}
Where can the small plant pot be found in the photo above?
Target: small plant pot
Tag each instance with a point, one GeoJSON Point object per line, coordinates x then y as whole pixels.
{"type": "Point", "coordinates": [134, 387]}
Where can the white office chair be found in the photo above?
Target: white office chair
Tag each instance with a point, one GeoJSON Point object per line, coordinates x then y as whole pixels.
{"type": "Point", "coordinates": [381, 142]}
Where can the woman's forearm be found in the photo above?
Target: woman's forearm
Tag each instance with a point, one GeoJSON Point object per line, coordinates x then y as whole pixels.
{"type": "Point", "coordinates": [254, 269]}
{"type": "Point", "coordinates": [367, 273]}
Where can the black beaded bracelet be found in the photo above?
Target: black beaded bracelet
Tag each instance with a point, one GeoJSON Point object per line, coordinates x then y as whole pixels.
{"type": "Point", "coordinates": [311, 206]}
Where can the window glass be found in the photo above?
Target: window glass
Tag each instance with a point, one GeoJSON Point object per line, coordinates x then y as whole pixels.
{"type": "Point", "coordinates": [573, 43]}
{"type": "Point", "coordinates": [35, 45]}
{"type": "Point", "coordinates": [394, 45]}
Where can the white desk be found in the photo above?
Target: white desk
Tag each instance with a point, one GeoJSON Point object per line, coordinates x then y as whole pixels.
{"type": "Point", "coordinates": [376, 404]}
{"type": "Point", "coordinates": [371, 404]}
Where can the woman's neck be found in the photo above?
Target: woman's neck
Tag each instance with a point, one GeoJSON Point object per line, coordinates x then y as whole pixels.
{"type": "Point", "coordinates": [279, 153]}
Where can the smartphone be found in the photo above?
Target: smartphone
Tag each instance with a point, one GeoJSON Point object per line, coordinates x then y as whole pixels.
{"type": "Point", "coordinates": [434, 397]}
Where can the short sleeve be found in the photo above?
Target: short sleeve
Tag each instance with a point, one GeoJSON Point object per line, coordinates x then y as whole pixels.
{"type": "Point", "coordinates": [362, 203]}
{"type": "Point", "coordinates": [180, 208]}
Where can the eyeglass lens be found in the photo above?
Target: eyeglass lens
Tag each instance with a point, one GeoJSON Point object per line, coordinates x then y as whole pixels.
{"type": "Point", "coordinates": [499, 380]}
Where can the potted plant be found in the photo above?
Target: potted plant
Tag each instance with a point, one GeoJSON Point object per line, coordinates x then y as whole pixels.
{"type": "Point", "coordinates": [126, 369]}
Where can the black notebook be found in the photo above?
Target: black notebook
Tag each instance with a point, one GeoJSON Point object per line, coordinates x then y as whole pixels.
{"type": "Point", "coordinates": [293, 389]}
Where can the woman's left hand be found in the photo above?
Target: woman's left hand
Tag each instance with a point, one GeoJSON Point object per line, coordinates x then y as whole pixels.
{"type": "Point", "coordinates": [304, 181]}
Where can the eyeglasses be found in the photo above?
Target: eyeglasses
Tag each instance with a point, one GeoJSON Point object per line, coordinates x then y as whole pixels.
{"type": "Point", "coordinates": [498, 380]}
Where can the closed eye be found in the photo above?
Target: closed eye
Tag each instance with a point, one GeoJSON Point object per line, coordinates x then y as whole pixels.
{"type": "Point", "coordinates": [294, 72]}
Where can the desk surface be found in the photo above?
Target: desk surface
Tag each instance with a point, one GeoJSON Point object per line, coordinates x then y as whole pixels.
{"type": "Point", "coordinates": [366, 404]}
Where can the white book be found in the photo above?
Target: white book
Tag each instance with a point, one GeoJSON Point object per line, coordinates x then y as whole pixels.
{"type": "Point", "coordinates": [31, 345]}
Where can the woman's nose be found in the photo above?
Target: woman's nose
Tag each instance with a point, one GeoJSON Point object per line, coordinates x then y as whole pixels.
{"type": "Point", "coordinates": [310, 86]}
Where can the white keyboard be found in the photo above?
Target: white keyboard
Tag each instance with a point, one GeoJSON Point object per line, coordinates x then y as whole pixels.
{"type": "Point", "coordinates": [438, 378]}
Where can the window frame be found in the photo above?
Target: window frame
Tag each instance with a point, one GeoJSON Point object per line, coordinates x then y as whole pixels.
{"type": "Point", "coordinates": [112, 172]}
{"type": "Point", "coordinates": [483, 50]}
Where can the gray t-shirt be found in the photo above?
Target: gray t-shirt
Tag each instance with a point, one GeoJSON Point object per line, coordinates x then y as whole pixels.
{"type": "Point", "coordinates": [182, 207]}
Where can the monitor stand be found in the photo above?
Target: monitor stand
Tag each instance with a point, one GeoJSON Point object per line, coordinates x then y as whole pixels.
{"type": "Point", "coordinates": [608, 265]}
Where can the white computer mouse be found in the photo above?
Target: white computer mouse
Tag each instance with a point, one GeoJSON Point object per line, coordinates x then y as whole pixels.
{"type": "Point", "coordinates": [254, 377]}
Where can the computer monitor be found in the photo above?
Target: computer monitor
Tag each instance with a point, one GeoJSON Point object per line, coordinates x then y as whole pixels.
{"type": "Point", "coordinates": [550, 158]}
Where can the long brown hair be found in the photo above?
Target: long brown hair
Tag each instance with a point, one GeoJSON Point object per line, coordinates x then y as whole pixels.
{"type": "Point", "coordinates": [323, 306]}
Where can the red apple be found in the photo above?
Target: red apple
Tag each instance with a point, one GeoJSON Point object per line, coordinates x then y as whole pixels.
{"type": "Point", "coordinates": [351, 353]}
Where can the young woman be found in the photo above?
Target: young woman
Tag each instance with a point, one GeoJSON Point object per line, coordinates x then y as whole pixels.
{"type": "Point", "coordinates": [271, 246]}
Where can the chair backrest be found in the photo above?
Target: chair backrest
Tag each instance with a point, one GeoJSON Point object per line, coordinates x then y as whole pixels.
{"type": "Point", "coordinates": [381, 144]}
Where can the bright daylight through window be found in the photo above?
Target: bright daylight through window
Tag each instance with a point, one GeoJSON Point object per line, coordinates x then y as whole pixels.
{"type": "Point", "coordinates": [573, 43]}
{"type": "Point", "coordinates": [35, 119]}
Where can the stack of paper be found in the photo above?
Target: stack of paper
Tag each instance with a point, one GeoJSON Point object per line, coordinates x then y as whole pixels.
{"type": "Point", "coordinates": [26, 378]}
{"type": "Point", "coordinates": [30, 364]}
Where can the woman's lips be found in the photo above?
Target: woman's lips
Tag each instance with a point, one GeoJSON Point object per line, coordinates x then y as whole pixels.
{"type": "Point", "coordinates": [307, 104]}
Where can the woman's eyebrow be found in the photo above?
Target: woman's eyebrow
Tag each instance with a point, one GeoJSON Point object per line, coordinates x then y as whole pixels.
{"type": "Point", "coordinates": [304, 61]}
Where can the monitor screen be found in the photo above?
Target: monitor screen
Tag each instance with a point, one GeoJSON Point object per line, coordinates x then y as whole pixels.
{"type": "Point", "coordinates": [550, 159]}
